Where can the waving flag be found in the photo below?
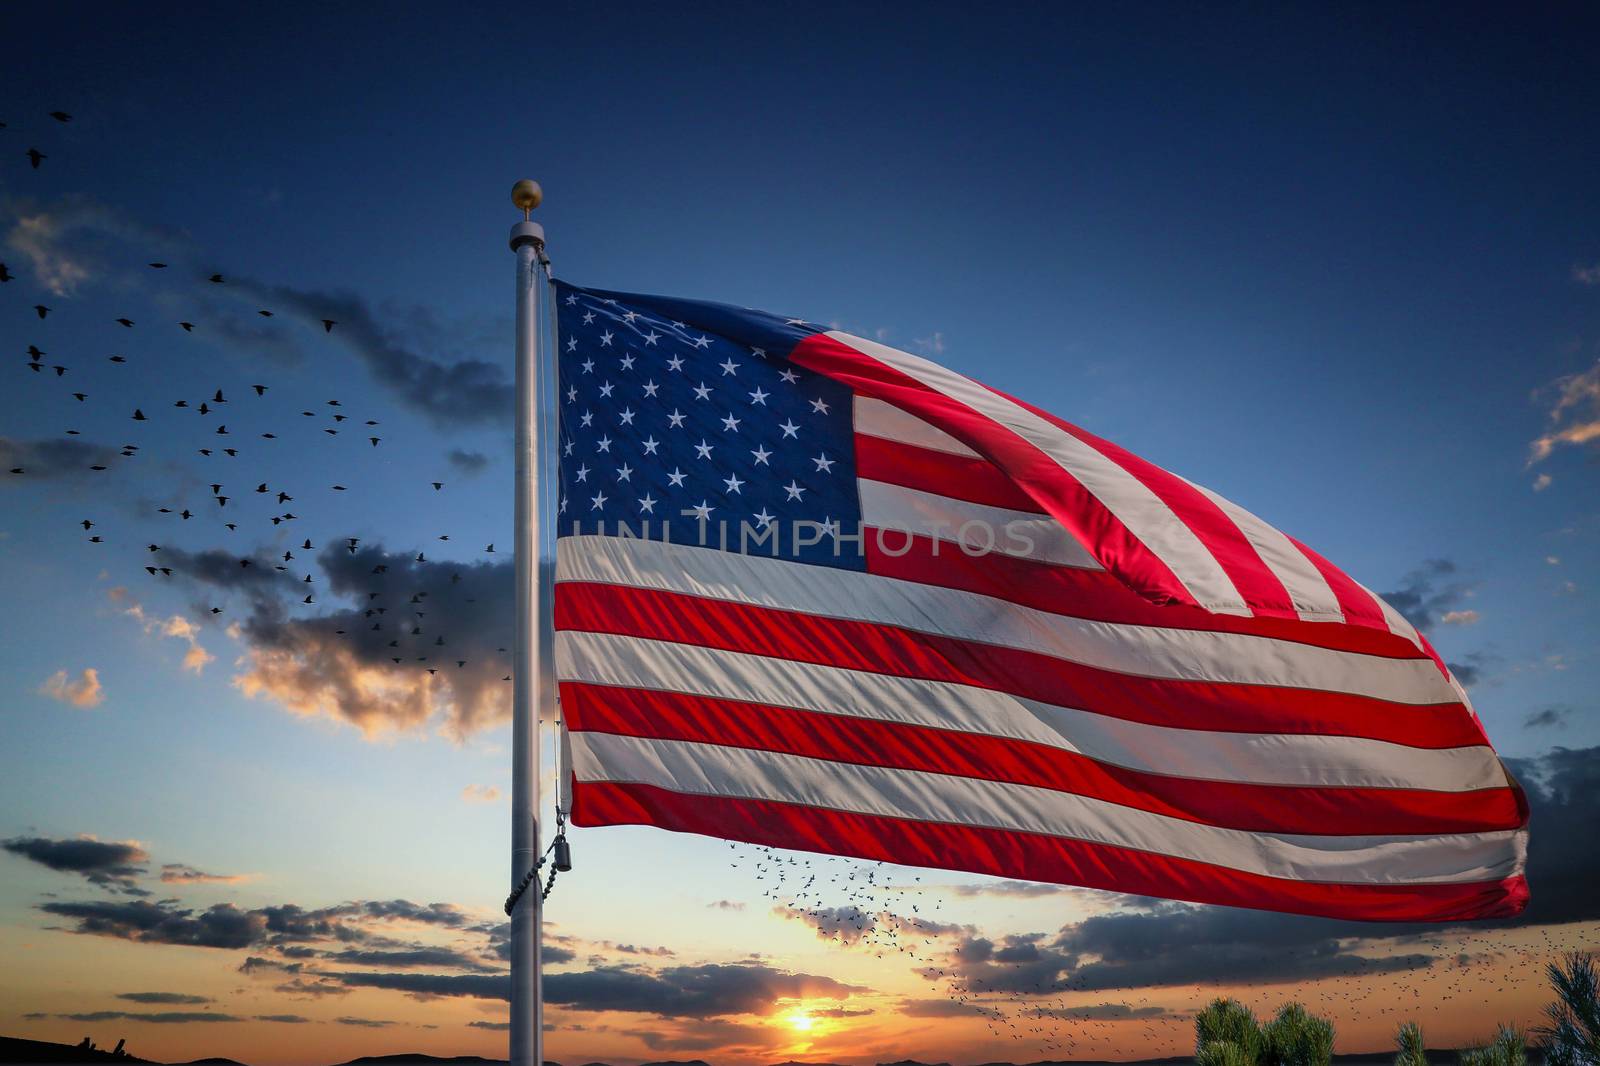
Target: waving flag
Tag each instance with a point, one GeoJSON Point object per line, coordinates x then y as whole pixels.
{"type": "Point", "coordinates": [817, 593]}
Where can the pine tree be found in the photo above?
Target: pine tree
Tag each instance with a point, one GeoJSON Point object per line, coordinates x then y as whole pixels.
{"type": "Point", "coordinates": [1573, 1036]}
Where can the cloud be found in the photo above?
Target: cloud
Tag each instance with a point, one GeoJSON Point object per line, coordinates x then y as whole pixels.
{"type": "Point", "coordinates": [67, 244]}
{"type": "Point", "coordinates": [1542, 482]}
{"type": "Point", "coordinates": [184, 874]}
{"type": "Point", "coordinates": [466, 462]}
{"type": "Point", "coordinates": [724, 905]}
{"type": "Point", "coordinates": [1549, 717]}
{"type": "Point", "coordinates": [848, 925]}
{"type": "Point", "coordinates": [1429, 592]}
{"type": "Point", "coordinates": [170, 998]}
{"type": "Point", "coordinates": [703, 1035]}
{"type": "Point", "coordinates": [287, 1019]}
{"type": "Point", "coordinates": [1459, 618]}
{"type": "Point", "coordinates": [220, 926]}
{"type": "Point", "coordinates": [177, 626]}
{"type": "Point", "coordinates": [160, 1018]}
{"type": "Point", "coordinates": [1574, 416]}
{"type": "Point", "coordinates": [366, 1023]}
{"type": "Point", "coordinates": [945, 1008]}
{"type": "Point", "coordinates": [82, 691]}
{"type": "Point", "coordinates": [481, 794]}
{"type": "Point", "coordinates": [1009, 889]}
{"type": "Point", "coordinates": [341, 664]}
{"type": "Point", "coordinates": [430, 985]}
{"type": "Point", "coordinates": [463, 391]}
{"type": "Point", "coordinates": [59, 459]}
{"type": "Point", "coordinates": [407, 958]}
{"type": "Point", "coordinates": [108, 864]}
{"type": "Point", "coordinates": [494, 1027]}
{"type": "Point", "coordinates": [1589, 275]}
{"type": "Point", "coordinates": [1097, 1012]}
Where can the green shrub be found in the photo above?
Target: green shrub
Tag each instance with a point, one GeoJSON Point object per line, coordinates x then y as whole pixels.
{"type": "Point", "coordinates": [1297, 1038]}
{"type": "Point", "coordinates": [1508, 1048]}
{"type": "Point", "coordinates": [1573, 1036]}
{"type": "Point", "coordinates": [1227, 1022]}
{"type": "Point", "coordinates": [1409, 1047]}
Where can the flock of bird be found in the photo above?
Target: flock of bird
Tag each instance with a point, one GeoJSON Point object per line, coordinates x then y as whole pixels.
{"type": "Point", "coordinates": [854, 905]}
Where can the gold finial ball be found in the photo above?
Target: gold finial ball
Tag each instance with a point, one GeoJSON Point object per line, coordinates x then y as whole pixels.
{"type": "Point", "coordinates": [526, 195]}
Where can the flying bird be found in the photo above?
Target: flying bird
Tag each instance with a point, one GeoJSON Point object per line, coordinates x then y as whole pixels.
{"type": "Point", "coordinates": [158, 266]}
{"type": "Point", "coordinates": [5, 275]}
{"type": "Point", "coordinates": [138, 415]}
{"type": "Point", "coordinates": [36, 157]}
{"type": "Point", "coordinates": [328, 324]}
{"type": "Point", "coordinates": [125, 323]}
{"type": "Point", "coordinates": [61, 116]}
{"type": "Point", "coordinates": [41, 309]}
{"type": "Point", "coordinates": [119, 359]}
{"type": "Point", "coordinates": [264, 314]}
{"type": "Point", "coordinates": [260, 389]}
{"type": "Point", "coordinates": [215, 279]}
{"type": "Point", "coordinates": [188, 327]}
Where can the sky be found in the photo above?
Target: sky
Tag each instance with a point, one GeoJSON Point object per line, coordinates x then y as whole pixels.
{"type": "Point", "coordinates": [1342, 266]}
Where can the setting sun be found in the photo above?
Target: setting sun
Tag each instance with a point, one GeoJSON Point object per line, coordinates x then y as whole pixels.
{"type": "Point", "coordinates": [801, 1022]}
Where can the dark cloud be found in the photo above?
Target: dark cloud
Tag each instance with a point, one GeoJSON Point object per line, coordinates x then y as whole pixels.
{"type": "Point", "coordinates": [407, 958]}
{"type": "Point", "coordinates": [1430, 591]}
{"type": "Point", "coordinates": [460, 391]}
{"type": "Point", "coordinates": [287, 1019]}
{"type": "Point", "coordinates": [1097, 1012]}
{"type": "Point", "coordinates": [110, 864]}
{"type": "Point", "coordinates": [1563, 789]}
{"type": "Point", "coordinates": [724, 905]}
{"type": "Point", "coordinates": [177, 1017]}
{"type": "Point", "coordinates": [839, 1012]}
{"type": "Point", "coordinates": [220, 926]}
{"type": "Point", "coordinates": [495, 1027]}
{"type": "Point", "coordinates": [171, 998]}
{"type": "Point", "coordinates": [366, 1023]}
{"type": "Point", "coordinates": [1548, 718]}
{"type": "Point", "coordinates": [703, 1035]}
{"type": "Point", "coordinates": [431, 985]}
{"type": "Point", "coordinates": [847, 924]}
{"type": "Point", "coordinates": [178, 873]}
{"type": "Point", "coordinates": [58, 459]}
{"type": "Point", "coordinates": [466, 462]}
{"type": "Point", "coordinates": [945, 1008]}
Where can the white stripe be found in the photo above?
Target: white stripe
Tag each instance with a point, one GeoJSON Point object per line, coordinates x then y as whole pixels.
{"type": "Point", "coordinates": [1398, 625]}
{"type": "Point", "coordinates": [1144, 514]}
{"type": "Point", "coordinates": [1146, 651]}
{"type": "Point", "coordinates": [1247, 758]}
{"type": "Point", "coordinates": [978, 526]}
{"type": "Point", "coordinates": [876, 418]}
{"type": "Point", "coordinates": [713, 770]}
{"type": "Point", "coordinates": [1313, 598]}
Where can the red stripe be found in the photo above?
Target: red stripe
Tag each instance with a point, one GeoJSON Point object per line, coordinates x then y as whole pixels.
{"type": "Point", "coordinates": [1056, 492]}
{"type": "Point", "coordinates": [959, 477]}
{"type": "Point", "coordinates": [1257, 584]}
{"type": "Point", "coordinates": [1032, 856]}
{"type": "Point", "coordinates": [1081, 593]}
{"type": "Point", "coordinates": [891, 650]}
{"type": "Point", "coordinates": [1356, 603]}
{"type": "Point", "coordinates": [869, 742]}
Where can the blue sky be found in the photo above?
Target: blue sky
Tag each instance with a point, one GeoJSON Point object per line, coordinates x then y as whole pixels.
{"type": "Point", "coordinates": [1338, 265]}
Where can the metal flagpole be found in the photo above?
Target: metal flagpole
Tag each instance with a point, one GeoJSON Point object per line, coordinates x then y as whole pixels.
{"type": "Point", "coordinates": [528, 695]}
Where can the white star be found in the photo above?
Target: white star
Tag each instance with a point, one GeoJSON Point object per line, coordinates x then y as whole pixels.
{"type": "Point", "coordinates": [588, 366]}
{"type": "Point", "coordinates": [761, 455]}
{"type": "Point", "coordinates": [762, 518]}
{"type": "Point", "coordinates": [824, 464]}
{"type": "Point", "coordinates": [675, 363]}
{"type": "Point", "coordinates": [609, 303]}
{"type": "Point", "coordinates": [790, 376]}
{"type": "Point", "coordinates": [676, 477]}
{"type": "Point", "coordinates": [597, 502]}
{"type": "Point", "coordinates": [733, 483]}
{"type": "Point", "coordinates": [759, 396]}
{"type": "Point", "coordinates": [795, 322]}
{"type": "Point", "coordinates": [790, 429]}
{"type": "Point", "coordinates": [819, 405]}
{"type": "Point", "coordinates": [588, 417]}
{"type": "Point", "coordinates": [730, 424]}
{"type": "Point", "coordinates": [605, 339]}
{"type": "Point", "coordinates": [626, 416]}
{"type": "Point", "coordinates": [572, 298]}
{"type": "Point", "coordinates": [651, 388]}
{"type": "Point", "coordinates": [650, 445]}
{"type": "Point", "coordinates": [603, 444]}
{"type": "Point", "coordinates": [703, 511]}
{"type": "Point", "coordinates": [563, 508]}
{"type": "Point", "coordinates": [794, 490]}
{"type": "Point", "coordinates": [583, 473]}
{"type": "Point", "coordinates": [647, 504]}
{"type": "Point", "coordinates": [624, 472]}
{"type": "Point", "coordinates": [759, 353]}
{"type": "Point", "coordinates": [703, 342]}
{"type": "Point", "coordinates": [703, 450]}
{"type": "Point", "coordinates": [567, 448]}
{"type": "Point", "coordinates": [572, 344]}
{"type": "Point", "coordinates": [572, 393]}
{"type": "Point", "coordinates": [627, 362]}
{"type": "Point", "coordinates": [651, 337]}
{"type": "Point", "coordinates": [702, 392]}
{"type": "Point", "coordinates": [588, 317]}
{"type": "Point", "coordinates": [728, 366]}
{"type": "Point", "coordinates": [680, 325]}
{"type": "Point", "coordinates": [676, 419]}
{"type": "Point", "coordinates": [606, 389]}
{"type": "Point", "coordinates": [629, 316]}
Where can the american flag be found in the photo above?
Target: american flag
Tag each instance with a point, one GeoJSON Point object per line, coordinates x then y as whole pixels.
{"type": "Point", "coordinates": [816, 593]}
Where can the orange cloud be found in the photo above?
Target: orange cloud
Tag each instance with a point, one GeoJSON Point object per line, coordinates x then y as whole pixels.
{"type": "Point", "coordinates": [82, 691]}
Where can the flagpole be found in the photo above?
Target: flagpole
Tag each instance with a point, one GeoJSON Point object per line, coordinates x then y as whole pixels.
{"type": "Point", "coordinates": [525, 906]}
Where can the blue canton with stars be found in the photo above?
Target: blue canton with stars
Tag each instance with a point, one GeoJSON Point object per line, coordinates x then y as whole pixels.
{"type": "Point", "coordinates": [674, 411]}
